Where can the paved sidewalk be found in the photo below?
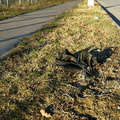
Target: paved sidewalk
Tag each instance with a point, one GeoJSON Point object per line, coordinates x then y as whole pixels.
{"type": "Point", "coordinates": [113, 9]}
{"type": "Point", "coordinates": [14, 29]}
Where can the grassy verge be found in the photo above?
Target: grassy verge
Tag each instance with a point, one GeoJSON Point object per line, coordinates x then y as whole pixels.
{"type": "Point", "coordinates": [15, 9]}
{"type": "Point", "coordinates": [33, 87]}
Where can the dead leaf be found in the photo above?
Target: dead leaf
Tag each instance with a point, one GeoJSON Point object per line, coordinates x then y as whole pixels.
{"type": "Point", "coordinates": [71, 80]}
{"type": "Point", "coordinates": [45, 114]}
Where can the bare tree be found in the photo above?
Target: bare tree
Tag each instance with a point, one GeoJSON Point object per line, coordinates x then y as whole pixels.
{"type": "Point", "coordinates": [36, 1]}
{"type": "Point", "coordinates": [8, 3]}
{"type": "Point", "coordinates": [31, 1]}
{"type": "Point", "coordinates": [20, 2]}
{"type": "Point", "coordinates": [28, 1]}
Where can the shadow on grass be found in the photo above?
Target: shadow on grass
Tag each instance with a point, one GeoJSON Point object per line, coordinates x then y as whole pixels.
{"type": "Point", "coordinates": [68, 60]}
{"type": "Point", "coordinates": [103, 55]}
{"type": "Point", "coordinates": [87, 116]}
{"type": "Point", "coordinates": [117, 21]}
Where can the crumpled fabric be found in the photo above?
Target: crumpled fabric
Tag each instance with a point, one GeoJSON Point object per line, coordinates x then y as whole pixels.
{"type": "Point", "coordinates": [82, 60]}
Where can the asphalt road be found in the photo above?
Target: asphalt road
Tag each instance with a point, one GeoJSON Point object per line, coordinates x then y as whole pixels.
{"type": "Point", "coordinates": [113, 9]}
{"type": "Point", "coordinates": [14, 29]}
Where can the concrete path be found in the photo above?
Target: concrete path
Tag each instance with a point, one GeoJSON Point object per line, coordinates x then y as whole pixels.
{"type": "Point", "coordinates": [14, 29]}
{"type": "Point", "coordinates": [113, 9]}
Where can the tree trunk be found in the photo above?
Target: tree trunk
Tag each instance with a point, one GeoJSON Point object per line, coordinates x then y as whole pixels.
{"type": "Point", "coordinates": [36, 1]}
{"type": "Point", "coordinates": [28, 1]}
{"type": "Point", "coordinates": [8, 3]}
{"type": "Point", "coordinates": [31, 1]}
{"type": "Point", "coordinates": [20, 2]}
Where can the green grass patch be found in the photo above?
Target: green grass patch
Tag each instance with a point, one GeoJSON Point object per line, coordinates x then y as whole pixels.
{"type": "Point", "coordinates": [33, 87]}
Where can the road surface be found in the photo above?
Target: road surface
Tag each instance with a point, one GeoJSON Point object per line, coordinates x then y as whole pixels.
{"type": "Point", "coordinates": [113, 9]}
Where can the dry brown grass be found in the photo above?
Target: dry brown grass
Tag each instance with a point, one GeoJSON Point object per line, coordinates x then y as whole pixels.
{"type": "Point", "coordinates": [33, 87]}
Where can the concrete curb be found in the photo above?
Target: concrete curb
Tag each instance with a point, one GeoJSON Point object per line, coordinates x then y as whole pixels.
{"type": "Point", "coordinates": [14, 29]}
{"type": "Point", "coordinates": [115, 21]}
